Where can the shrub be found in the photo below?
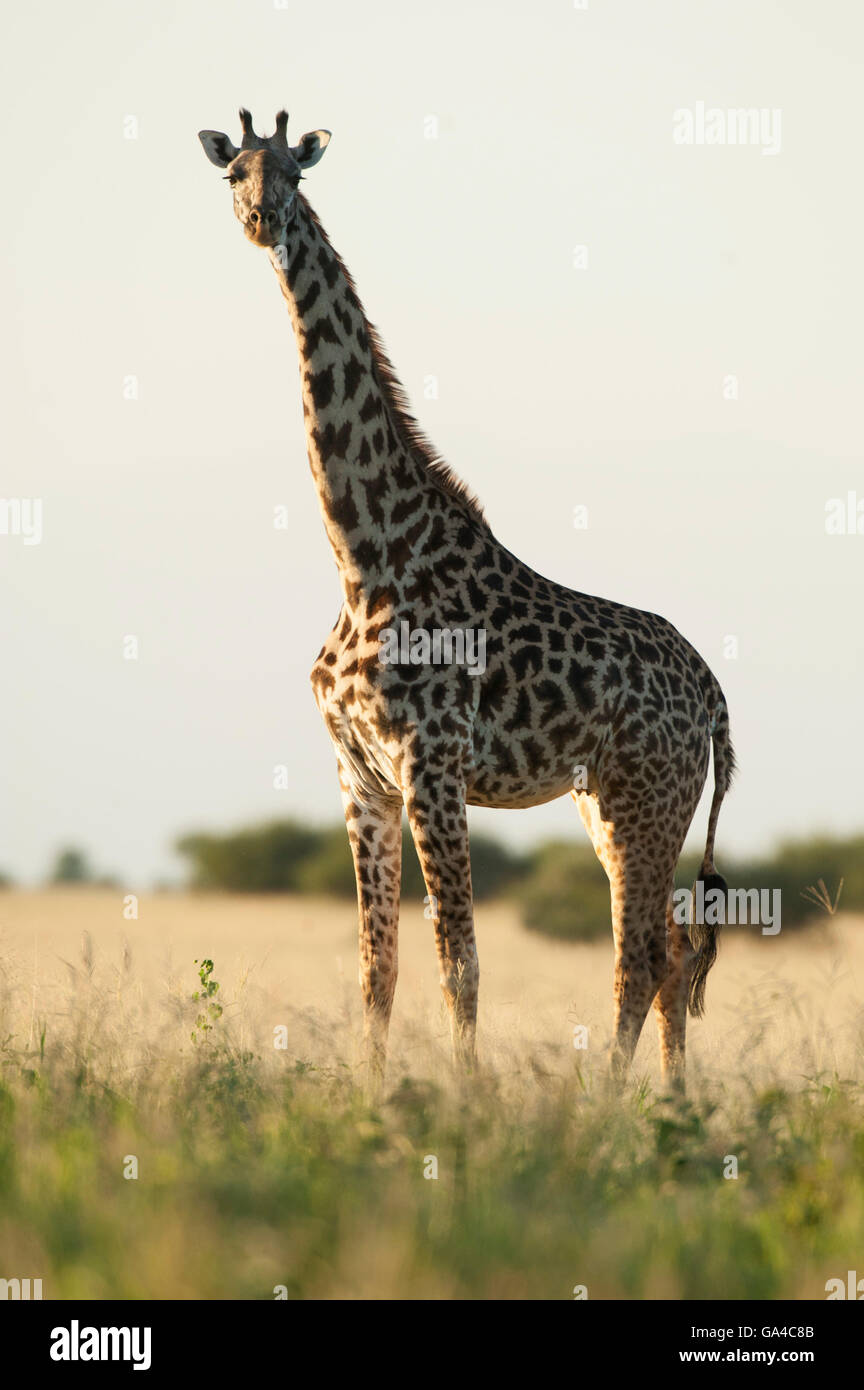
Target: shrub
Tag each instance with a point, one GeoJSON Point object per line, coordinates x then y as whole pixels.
{"type": "Point", "coordinates": [566, 893]}
{"type": "Point", "coordinates": [262, 859]}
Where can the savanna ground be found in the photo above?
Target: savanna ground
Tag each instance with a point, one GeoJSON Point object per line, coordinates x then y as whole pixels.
{"type": "Point", "coordinates": [261, 1167]}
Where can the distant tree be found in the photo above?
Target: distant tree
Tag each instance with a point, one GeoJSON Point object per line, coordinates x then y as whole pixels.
{"type": "Point", "coordinates": [261, 859]}
{"type": "Point", "coordinates": [71, 866]}
{"type": "Point", "coordinates": [495, 869]}
{"type": "Point", "coordinates": [329, 870]}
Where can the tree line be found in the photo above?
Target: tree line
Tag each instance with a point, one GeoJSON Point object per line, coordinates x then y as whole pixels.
{"type": "Point", "coordinates": [559, 886]}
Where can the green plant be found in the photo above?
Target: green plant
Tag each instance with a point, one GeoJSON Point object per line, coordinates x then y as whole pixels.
{"type": "Point", "coordinates": [212, 1011]}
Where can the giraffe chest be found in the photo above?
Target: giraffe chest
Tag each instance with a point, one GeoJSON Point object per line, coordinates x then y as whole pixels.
{"type": "Point", "coordinates": [382, 715]}
{"type": "Point", "coordinates": [347, 692]}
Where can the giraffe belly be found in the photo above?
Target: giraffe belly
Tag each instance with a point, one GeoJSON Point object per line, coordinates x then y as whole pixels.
{"type": "Point", "coordinates": [516, 797]}
{"type": "Point", "coordinates": [520, 774]}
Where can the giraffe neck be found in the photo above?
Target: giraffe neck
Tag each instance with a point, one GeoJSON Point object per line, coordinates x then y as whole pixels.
{"type": "Point", "coordinates": [377, 477]}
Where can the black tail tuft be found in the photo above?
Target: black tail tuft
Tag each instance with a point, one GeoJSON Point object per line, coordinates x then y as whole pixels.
{"type": "Point", "coordinates": [703, 939]}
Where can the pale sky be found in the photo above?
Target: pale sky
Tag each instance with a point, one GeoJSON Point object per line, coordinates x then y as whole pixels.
{"type": "Point", "coordinates": [558, 386]}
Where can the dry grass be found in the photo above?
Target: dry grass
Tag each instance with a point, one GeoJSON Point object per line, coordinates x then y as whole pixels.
{"type": "Point", "coordinates": [778, 1006]}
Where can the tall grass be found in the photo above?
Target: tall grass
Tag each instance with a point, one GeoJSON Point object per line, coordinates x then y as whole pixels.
{"type": "Point", "coordinates": [264, 1168]}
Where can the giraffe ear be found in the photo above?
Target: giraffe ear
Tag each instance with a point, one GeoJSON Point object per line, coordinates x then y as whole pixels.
{"type": "Point", "coordinates": [217, 147]}
{"type": "Point", "coordinates": [311, 148]}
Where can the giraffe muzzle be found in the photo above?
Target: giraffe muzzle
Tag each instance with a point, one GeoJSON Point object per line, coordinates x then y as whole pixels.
{"type": "Point", "coordinates": [263, 226]}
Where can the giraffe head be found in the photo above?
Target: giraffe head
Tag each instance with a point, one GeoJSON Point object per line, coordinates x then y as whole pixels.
{"type": "Point", "coordinates": [264, 174]}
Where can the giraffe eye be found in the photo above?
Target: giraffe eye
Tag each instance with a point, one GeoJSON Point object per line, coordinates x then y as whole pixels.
{"type": "Point", "coordinates": [231, 179]}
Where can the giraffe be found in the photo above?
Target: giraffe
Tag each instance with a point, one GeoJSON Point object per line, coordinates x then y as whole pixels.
{"type": "Point", "coordinates": [568, 681]}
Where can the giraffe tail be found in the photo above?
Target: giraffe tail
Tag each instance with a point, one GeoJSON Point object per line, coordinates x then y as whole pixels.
{"type": "Point", "coordinates": [703, 935]}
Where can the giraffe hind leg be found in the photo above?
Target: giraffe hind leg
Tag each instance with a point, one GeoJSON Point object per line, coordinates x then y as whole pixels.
{"type": "Point", "coordinates": [670, 1001]}
{"type": "Point", "coordinates": [640, 862]}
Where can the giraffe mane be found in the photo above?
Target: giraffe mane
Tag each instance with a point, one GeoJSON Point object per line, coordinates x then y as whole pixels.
{"type": "Point", "coordinates": [413, 436]}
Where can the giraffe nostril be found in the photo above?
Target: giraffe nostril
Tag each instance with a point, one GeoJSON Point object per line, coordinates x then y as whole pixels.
{"type": "Point", "coordinates": [266, 216]}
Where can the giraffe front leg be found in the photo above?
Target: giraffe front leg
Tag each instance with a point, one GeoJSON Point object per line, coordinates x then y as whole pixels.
{"type": "Point", "coordinates": [375, 832]}
{"type": "Point", "coordinates": [436, 814]}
